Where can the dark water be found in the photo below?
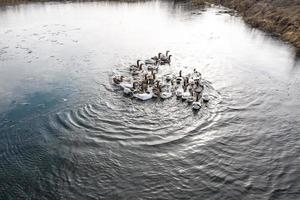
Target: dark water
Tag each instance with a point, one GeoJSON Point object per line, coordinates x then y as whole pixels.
{"type": "Point", "coordinates": [67, 133]}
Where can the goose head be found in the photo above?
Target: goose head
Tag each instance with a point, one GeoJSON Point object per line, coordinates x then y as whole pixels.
{"type": "Point", "coordinates": [159, 54]}
{"type": "Point", "coordinates": [167, 52]}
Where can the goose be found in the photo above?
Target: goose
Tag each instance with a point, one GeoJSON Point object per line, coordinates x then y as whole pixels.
{"type": "Point", "coordinates": [179, 79]}
{"type": "Point", "coordinates": [128, 86]}
{"type": "Point", "coordinates": [152, 67]}
{"type": "Point", "coordinates": [190, 99]}
{"type": "Point", "coordinates": [192, 83]}
{"type": "Point", "coordinates": [186, 94]}
{"type": "Point", "coordinates": [164, 56]}
{"type": "Point", "coordinates": [151, 77]}
{"type": "Point", "coordinates": [198, 88]}
{"type": "Point", "coordinates": [196, 105]}
{"type": "Point", "coordinates": [151, 61]}
{"type": "Point", "coordinates": [156, 89]}
{"type": "Point", "coordinates": [166, 60]}
{"type": "Point", "coordinates": [138, 70]}
{"type": "Point", "coordinates": [146, 95]}
{"type": "Point", "coordinates": [167, 53]}
{"type": "Point", "coordinates": [133, 67]}
{"type": "Point", "coordinates": [196, 75]}
{"type": "Point", "coordinates": [179, 91]}
{"type": "Point", "coordinates": [118, 79]}
{"type": "Point", "coordinates": [205, 98]}
{"type": "Point", "coordinates": [127, 91]}
{"type": "Point", "coordinates": [168, 78]}
{"type": "Point", "coordinates": [167, 94]}
{"type": "Point", "coordinates": [145, 83]}
{"type": "Point", "coordinates": [156, 58]}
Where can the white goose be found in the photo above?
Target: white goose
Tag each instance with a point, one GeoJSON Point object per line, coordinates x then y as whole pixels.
{"type": "Point", "coordinates": [205, 98]}
{"type": "Point", "coordinates": [144, 96]}
{"type": "Point", "coordinates": [179, 79]}
{"type": "Point", "coordinates": [167, 93]}
{"type": "Point", "coordinates": [179, 91]}
{"type": "Point", "coordinates": [146, 93]}
{"type": "Point", "coordinates": [190, 99]}
{"type": "Point", "coordinates": [186, 95]}
{"type": "Point", "coordinates": [128, 87]}
{"type": "Point", "coordinates": [196, 104]}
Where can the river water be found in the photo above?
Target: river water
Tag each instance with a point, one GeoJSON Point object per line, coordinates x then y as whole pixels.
{"type": "Point", "coordinates": [67, 133]}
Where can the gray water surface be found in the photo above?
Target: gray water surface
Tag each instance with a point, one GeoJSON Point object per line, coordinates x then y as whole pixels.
{"type": "Point", "coordinates": [67, 133]}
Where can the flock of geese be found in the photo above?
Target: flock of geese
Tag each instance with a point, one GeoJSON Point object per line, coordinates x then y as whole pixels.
{"type": "Point", "coordinates": [145, 82]}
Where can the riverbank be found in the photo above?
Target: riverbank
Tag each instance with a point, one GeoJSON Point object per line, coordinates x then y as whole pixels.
{"type": "Point", "coordinates": [279, 17]}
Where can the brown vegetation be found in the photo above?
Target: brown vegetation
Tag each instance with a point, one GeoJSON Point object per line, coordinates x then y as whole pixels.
{"type": "Point", "coordinates": [281, 17]}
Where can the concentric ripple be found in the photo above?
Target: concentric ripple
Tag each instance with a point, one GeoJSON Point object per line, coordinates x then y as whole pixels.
{"type": "Point", "coordinates": [130, 121]}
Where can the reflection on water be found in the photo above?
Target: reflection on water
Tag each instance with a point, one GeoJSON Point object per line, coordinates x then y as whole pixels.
{"type": "Point", "coordinates": [67, 133]}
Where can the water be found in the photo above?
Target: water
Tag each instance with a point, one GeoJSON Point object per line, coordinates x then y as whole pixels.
{"type": "Point", "coordinates": [67, 133]}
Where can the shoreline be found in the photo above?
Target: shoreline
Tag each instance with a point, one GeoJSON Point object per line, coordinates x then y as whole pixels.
{"type": "Point", "coordinates": [281, 18]}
